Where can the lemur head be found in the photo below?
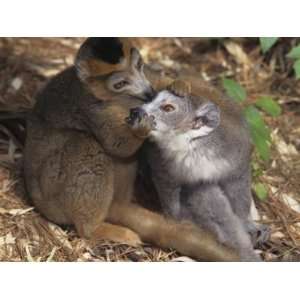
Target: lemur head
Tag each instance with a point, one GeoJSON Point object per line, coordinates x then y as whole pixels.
{"type": "Point", "coordinates": [175, 112]}
{"type": "Point", "coordinates": [110, 66]}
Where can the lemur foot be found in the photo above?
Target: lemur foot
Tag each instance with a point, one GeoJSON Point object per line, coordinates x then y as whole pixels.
{"type": "Point", "coordinates": [259, 233]}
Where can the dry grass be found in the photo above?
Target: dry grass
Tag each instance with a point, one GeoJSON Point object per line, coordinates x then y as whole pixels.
{"type": "Point", "coordinates": [26, 64]}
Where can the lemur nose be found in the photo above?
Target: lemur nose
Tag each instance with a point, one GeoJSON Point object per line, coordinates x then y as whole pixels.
{"type": "Point", "coordinates": [137, 113]}
{"type": "Point", "coordinates": [150, 94]}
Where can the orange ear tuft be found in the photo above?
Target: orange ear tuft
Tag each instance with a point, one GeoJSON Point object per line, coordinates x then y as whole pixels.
{"type": "Point", "coordinates": [94, 67]}
{"type": "Point", "coordinates": [127, 44]}
{"type": "Point", "coordinates": [180, 88]}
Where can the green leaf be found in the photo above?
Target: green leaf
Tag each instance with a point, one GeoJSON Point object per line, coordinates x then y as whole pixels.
{"type": "Point", "coordinates": [267, 42]}
{"type": "Point", "coordinates": [257, 123]}
{"type": "Point", "coordinates": [260, 133]}
{"type": "Point", "coordinates": [262, 146]}
{"type": "Point", "coordinates": [294, 53]}
{"type": "Point", "coordinates": [261, 191]}
{"type": "Point", "coordinates": [268, 105]}
{"type": "Point", "coordinates": [296, 67]}
{"type": "Point", "coordinates": [234, 90]}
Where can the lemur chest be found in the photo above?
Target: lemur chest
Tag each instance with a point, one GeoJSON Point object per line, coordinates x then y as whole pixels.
{"type": "Point", "coordinates": [190, 164]}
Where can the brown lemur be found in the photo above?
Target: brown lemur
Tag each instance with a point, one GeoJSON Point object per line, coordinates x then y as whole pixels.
{"type": "Point", "coordinates": [199, 155]}
{"type": "Point", "coordinates": [80, 155]}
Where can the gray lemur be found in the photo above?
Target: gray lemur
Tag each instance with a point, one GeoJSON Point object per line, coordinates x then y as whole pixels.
{"type": "Point", "coordinates": [199, 157]}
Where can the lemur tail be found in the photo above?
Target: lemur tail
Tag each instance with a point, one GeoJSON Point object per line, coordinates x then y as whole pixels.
{"type": "Point", "coordinates": [166, 233]}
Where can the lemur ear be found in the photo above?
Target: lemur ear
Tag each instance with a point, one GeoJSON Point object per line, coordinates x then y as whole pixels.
{"type": "Point", "coordinates": [207, 118]}
{"type": "Point", "coordinates": [180, 88]}
{"type": "Point", "coordinates": [136, 57]}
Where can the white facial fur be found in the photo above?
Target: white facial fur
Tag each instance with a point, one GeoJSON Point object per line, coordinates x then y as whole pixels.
{"type": "Point", "coordinates": [152, 109]}
{"type": "Point", "coordinates": [137, 82]}
{"type": "Point", "coordinates": [182, 120]}
{"type": "Point", "coordinates": [191, 161]}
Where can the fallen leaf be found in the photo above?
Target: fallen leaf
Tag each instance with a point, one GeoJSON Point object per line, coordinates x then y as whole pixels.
{"type": "Point", "coordinates": [283, 148]}
{"type": "Point", "coordinates": [238, 53]}
{"type": "Point", "coordinates": [3, 211]}
{"type": "Point", "coordinates": [182, 259]}
{"type": "Point", "coordinates": [87, 256]}
{"type": "Point", "coordinates": [291, 202]}
{"type": "Point", "coordinates": [7, 239]}
{"type": "Point", "coordinates": [52, 254]}
{"type": "Point", "coordinates": [17, 83]}
{"type": "Point", "coordinates": [60, 235]}
{"type": "Point", "coordinates": [19, 211]}
{"type": "Point", "coordinates": [28, 254]}
{"type": "Point", "coordinates": [277, 235]}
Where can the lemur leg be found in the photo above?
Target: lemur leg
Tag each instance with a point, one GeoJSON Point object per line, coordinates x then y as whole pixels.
{"type": "Point", "coordinates": [210, 208]}
{"type": "Point", "coordinates": [238, 191]}
{"type": "Point", "coordinates": [83, 186]}
{"type": "Point", "coordinates": [169, 195]}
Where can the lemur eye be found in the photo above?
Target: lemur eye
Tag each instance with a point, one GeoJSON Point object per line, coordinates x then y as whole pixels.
{"type": "Point", "coordinates": [167, 108]}
{"type": "Point", "coordinates": [120, 84]}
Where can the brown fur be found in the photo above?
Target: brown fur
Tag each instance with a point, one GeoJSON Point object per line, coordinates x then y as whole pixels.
{"type": "Point", "coordinates": [158, 80]}
{"type": "Point", "coordinates": [80, 166]}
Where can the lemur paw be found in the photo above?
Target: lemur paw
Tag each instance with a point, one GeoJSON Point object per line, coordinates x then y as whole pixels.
{"type": "Point", "coordinates": [259, 233]}
{"type": "Point", "coordinates": [180, 88]}
{"type": "Point", "coordinates": [140, 122]}
{"type": "Point", "coordinates": [263, 234]}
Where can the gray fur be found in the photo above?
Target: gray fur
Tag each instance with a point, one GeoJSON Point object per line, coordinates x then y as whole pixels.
{"type": "Point", "coordinates": [202, 172]}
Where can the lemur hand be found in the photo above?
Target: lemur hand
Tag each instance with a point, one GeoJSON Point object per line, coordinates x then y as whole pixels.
{"type": "Point", "coordinates": [140, 122]}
